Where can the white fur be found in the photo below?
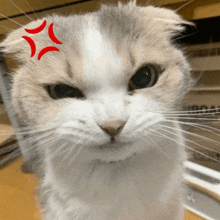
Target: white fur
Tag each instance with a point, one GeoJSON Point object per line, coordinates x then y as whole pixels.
{"type": "Point", "coordinates": [135, 188]}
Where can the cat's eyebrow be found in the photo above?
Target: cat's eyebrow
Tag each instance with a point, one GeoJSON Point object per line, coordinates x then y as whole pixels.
{"type": "Point", "coordinates": [132, 59]}
{"type": "Point", "coordinates": [69, 70]}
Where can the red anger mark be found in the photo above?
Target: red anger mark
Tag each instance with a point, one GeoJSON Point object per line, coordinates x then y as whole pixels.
{"type": "Point", "coordinates": [52, 36]}
{"type": "Point", "coordinates": [32, 45]}
{"type": "Point", "coordinates": [36, 30]}
{"type": "Point", "coordinates": [45, 49]}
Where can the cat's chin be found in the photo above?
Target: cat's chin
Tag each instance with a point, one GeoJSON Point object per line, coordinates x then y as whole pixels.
{"type": "Point", "coordinates": [113, 161]}
{"type": "Point", "coordinates": [113, 146]}
{"type": "Point", "coordinates": [115, 152]}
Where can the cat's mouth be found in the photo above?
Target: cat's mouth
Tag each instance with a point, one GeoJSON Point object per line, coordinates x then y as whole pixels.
{"type": "Point", "coordinates": [113, 145]}
{"type": "Point", "coordinates": [114, 151]}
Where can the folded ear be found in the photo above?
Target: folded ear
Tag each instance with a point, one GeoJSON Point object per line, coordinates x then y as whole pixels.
{"type": "Point", "coordinates": [166, 19]}
{"type": "Point", "coordinates": [15, 42]}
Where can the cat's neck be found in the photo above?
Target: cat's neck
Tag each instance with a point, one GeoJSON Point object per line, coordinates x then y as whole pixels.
{"type": "Point", "coordinates": [97, 179]}
{"type": "Point", "coordinates": [106, 190]}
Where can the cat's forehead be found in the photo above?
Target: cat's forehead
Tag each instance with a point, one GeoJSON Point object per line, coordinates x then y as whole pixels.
{"type": "Point", "coordinates": [105, 45]}
{"type": "Point", "coordinates": [88, 56]}
{"type": "Point", "coordinates": [87, 53]}
{"type": "Point", "coordinates": [101, 59]}
{"type": "Point", "coordinates": [104, 48]}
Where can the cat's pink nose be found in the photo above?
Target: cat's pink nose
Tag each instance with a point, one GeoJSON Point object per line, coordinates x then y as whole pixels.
{"type": "Point", "coordinates": [112, 127]}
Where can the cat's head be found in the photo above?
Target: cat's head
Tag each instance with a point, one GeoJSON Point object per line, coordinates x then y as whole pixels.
{"type": "Point", "coordinates": [116, 75]}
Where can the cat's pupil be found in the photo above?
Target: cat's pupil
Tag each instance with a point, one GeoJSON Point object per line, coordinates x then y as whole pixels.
{"type": "Point", "coordinates": [64, 91]}
{"type": "Point", "coordinates": [144, 77]}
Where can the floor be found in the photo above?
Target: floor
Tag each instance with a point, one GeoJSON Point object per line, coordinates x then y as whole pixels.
{"type": "Point", "coordinates": [18, 190]}
{"type": "Point", "coordinates": [5, 126]}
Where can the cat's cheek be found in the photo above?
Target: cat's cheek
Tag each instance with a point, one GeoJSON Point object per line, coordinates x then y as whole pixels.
{"type": "Point", "coordinates": [49, 112]}
{"type": "Point", "coordinates": [76, 125]}
{"type": "Point", "coordinates": [67, 110]}
{"type": "Point", "coordinates": [144, 113]}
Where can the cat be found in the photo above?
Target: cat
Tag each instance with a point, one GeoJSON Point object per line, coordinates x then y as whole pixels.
{"type": "Point", "coordinates": [95, 112]}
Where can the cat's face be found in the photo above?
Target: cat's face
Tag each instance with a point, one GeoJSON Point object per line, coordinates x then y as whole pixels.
{"type": "Point", "coordinates": [116, 75]}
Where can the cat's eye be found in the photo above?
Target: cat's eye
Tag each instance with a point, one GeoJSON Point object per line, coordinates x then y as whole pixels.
{"type": "Point", "coordinates": [60, 91]}
{"type": "Point", "coordinates": [146, 76]}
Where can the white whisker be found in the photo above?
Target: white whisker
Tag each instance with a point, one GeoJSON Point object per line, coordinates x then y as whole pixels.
{"type": "Point", "coordinates": [184, 5]}
{"type": "Point", "coordinates": [36, 129]}
{"type": "Point", "coordinates": [4, 132]}
{"type": "Point", "coordinates": [183, 36]}
{"type": "Point", "coordinates": [32, 9]}
{"type": "Point", "coordinates": [193, 142]}
{"type": "Point", "coordinates": [75, 155]}
{"type": "Point", "coordinates": [148, 2]}
{"type": "Point", "coordinates": [185, 145]}
{"type": "Point", "coordinates": [60, 147]}
{"type": "Point", "coordinates": [196, 125]}
{"type": "Point", "coordinates": [5, 27]}
{"type": "Point", "coordinates": [158, 147]}
{"type": "Point", "coordinates": [59, 150]}
{"type": "Point", "coordinates": [21, 10]}
{"type": "Point", "coordinates": [75, 130]}
{"type": "Point", "coordinates": [193, 113]}
{"type": "Point", "coordinates": [200, 119]}
{"type": "Point", "coordinates": [14, 42]}
{"type": "Point", "coordinates": [11, 20]}
{"type": "Point", "coordinates": [184, 111]}
{"type": "Point", "coordinates": [37, 137]}
{"type": "Point", "coordinates": [41, 140]}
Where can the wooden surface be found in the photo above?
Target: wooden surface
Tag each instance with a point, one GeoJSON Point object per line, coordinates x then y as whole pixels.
{"type": "Point", "coordinates": [17, 194]}
{"type": "Point", "coordinates": [194, 10]}
{"type": "Point", "coordinates": [6, 129]}
{"type": "Point", "coordinates": [15, 7]}
{"type": "Point", "coordinates": [14, 23]}
{"type": "Point", "coordinates": [18, 200]}
{"type": "Point", "coordinates": [191, 216]}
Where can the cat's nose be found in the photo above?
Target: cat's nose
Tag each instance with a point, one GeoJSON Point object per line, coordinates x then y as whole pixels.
{"type": "Point", "coordinates": [112, 127]}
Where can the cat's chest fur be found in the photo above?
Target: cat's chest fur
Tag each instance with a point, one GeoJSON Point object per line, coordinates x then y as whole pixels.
{"type": "Point", "coordinates": [145, 186]}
